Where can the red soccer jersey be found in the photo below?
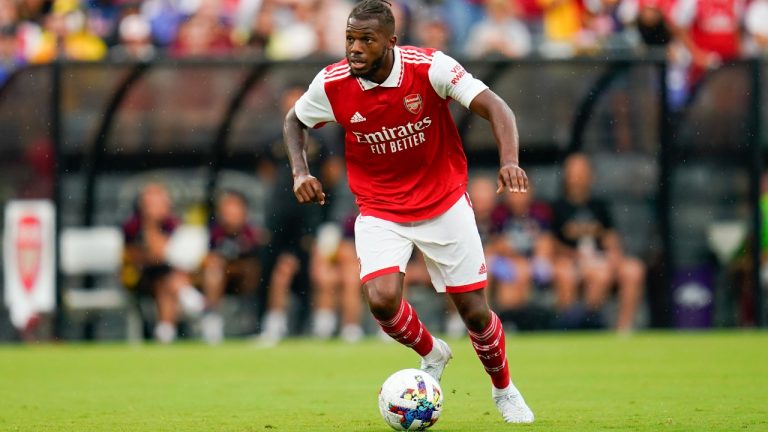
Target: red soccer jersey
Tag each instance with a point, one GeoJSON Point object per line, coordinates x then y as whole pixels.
{"type": "Point", "coordinates": [714, 24]}
{"type": "Point", "coordinates": [405, 161]}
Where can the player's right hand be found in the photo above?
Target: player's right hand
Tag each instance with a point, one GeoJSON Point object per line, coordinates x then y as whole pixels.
{"type": "Point", "coordinates": [308, 189]}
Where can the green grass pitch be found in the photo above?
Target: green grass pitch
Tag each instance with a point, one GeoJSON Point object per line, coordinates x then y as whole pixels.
{"type": "Point", "coordinates": [574, 382]}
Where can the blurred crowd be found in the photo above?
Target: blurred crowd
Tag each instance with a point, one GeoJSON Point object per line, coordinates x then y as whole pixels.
{"type": "Point", "coordinates": [550, 265]}
{"type": "Point", "coordinates": [39, 31]}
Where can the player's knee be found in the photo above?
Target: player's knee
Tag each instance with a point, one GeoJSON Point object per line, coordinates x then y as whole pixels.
{"type": "Point", "coordinates": [476, 318]}
{"type": "Point", "coordinates": [383, 300]}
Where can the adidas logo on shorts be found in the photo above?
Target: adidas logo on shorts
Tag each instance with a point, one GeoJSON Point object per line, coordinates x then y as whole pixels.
{"type": "Point", "coordinates": [357, 118]}
{"type": "Point", "coordinates": [482, 270]}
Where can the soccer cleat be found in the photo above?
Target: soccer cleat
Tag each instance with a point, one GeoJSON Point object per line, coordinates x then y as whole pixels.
{"type": "Point", "coordinates": [512, 407]}
{"type": "Point", "coordinates": [434, 363]}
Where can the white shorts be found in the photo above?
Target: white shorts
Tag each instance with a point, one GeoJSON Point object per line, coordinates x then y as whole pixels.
{"type": "Point", "coordinates": [450, 243]}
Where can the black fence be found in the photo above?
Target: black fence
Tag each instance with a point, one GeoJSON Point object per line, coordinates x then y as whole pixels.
{"type": "Point", "coordinates": [85, 134]}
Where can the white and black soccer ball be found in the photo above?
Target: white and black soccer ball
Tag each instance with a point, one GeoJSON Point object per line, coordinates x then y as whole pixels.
{"type": "Point", "coordinates": [410, 399]}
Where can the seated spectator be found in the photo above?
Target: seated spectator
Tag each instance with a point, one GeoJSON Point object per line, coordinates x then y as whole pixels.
{"type": "Point", "coordinates": [650, 17]}
{"type": "Point", "coordinates": [756, 25]}
{"type": "Point", "coordinates": [232, 264]}
{"type": "Point", "coordinates": [336, 283]}
{"type": "Point", "coordinates": [146, 271]}
{"type": "Point", "coordinates": [589, 255]}
{"type": "Point", "coordinates": [432, 30]}
{"type": "Point", "coordinates": [8, 59]}
{"type": "Point", "coordinates": [291, 226]}
{"type": "Point", "coordinates": [66, 35]}
{"type": "Point", "coordinates": [499, 33]}
{"type": "Point", "coordinates": [563, 23]}
{"type": "Point", "coordinates": [135, 39]}
{"type": "Point", "coordinates": [522, 253]}
{"type": "Point", "coordinates": [711, 32]}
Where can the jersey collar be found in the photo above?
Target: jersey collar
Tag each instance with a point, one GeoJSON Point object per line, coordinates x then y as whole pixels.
{"type": "Point", "coordinates": [395, 76]}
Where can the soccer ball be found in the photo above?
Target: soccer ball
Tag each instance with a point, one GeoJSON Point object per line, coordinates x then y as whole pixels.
{"type": "Point", "coordinates": [410, 399]}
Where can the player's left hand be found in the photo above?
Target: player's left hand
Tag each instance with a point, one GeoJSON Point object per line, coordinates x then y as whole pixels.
{"type": "Point", "coordinates": [512, 178]}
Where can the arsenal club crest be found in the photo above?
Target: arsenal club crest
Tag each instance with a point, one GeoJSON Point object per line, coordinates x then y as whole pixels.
{"type": "Point", "coordinates": [29, 250]}
{"type": "Point", "coordinates": [413, 103]}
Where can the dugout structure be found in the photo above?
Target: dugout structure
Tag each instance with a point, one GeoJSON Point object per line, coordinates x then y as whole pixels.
{"type": "Point", "coordinates": [85, 134]}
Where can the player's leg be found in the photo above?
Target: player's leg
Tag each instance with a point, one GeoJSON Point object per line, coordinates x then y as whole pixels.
{"type": "Point", "coordinates": [325, 278]}
{"type": "Point", "coordinates": [214, 274]}
{"type": "Point", "coordinates": [351, 299]}
{"type": "Point", "coordinates": [631, 283]}
{"type": "Point", "coordinates": [565, 281]}
{"type": "Point", "coordinates": [214, 283]}
{"type": "Point", "coordinates": [167, 308]}
{"type": "Point", "coordinates": [456, 262]}
{"type": "Point", "coordinates": [275, 325]}
{"type": "Point", "coordinates": [383, 249]}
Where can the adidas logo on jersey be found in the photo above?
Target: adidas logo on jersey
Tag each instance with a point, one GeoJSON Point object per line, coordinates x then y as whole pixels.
{"type": "Point", "coordinates": [482, 270]}
{"type": "Point", "coordinates": [357, 118]}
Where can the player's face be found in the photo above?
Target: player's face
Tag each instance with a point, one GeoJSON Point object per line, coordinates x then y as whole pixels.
{"type": "Point", "coordinates": [368, 49]}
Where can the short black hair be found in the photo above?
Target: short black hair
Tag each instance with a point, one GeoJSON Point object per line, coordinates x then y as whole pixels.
{"type": "Point", "coordinates": [380, 10]}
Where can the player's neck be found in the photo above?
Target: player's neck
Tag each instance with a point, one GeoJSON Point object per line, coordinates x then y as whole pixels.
{"type": "Point", "coordinates": [385, 70]}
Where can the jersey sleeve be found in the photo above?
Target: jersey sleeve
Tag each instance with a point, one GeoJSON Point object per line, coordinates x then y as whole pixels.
{"type": "Point", "coordinates": [313, 108]}
{"type": "Point", "coordinates": [450, 79]}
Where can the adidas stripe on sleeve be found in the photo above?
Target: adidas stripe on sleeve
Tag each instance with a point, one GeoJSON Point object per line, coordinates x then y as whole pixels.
{"type": "Point", "coordinates": [313, 108]}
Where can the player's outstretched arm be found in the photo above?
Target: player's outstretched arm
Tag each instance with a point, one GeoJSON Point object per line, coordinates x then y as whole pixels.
{"type": "Point", "coordinates": [491, 107]}
{"type": "Point", "coordinates": [306, 187]}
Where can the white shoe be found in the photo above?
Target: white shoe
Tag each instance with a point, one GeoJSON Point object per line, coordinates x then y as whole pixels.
{"type": "Point", "coordinates": [454, 327]}
{"type": "Point", "coordinates": [351, 333]}
{"type": "Point", "coordinates": [434, 363]}
{"type": "Point", "coordinates": [165, 332]}
{"type": "Point", "coordinates": [212, 328]}
{"type": "Point", "coordinates": [192, 301]}
{"type": "Point", "coordinates": [274, 330]}
{"type": "Point", "coordinates": [323, 324]}
{"type": "Point", "coordinates": [512, 406]}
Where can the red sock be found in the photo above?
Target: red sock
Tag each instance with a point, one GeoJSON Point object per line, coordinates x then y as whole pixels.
{"type": "Point", "coordinates": [406, 328]}
{"type": "Point", "coordinates": [490, 347]}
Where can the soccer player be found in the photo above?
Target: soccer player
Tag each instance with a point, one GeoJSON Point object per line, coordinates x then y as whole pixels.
{"type": "Point", "coordinates": [408, 172]}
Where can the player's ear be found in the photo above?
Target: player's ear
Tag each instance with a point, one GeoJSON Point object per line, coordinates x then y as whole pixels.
{"type": "Point", "coordinates": [392, 42]}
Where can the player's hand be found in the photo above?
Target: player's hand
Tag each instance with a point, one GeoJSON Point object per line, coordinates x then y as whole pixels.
{"type": "Point", "coordinates": [308, 189]}
{"type": "Point", "coordinates": [512, 178]}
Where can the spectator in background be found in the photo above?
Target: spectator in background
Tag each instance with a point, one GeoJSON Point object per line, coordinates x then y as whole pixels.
{"type": "Point", "coordinates": [499, 33]}
{"type": "Point", "coordinates": [603, 20]}
{"type": "Point", "coordinates": [8, 59]}
{"type": "Point", "coordinates": [589, 253]}
{"type": "Point", "coordinates": [432, 31]}
{"type": "Point", "coordinates": [233, 264]}
{"type": "Point", "coordinates": [710, 31]}
{"type": "Point", "coordinates": [563, 23]}
{"type": "Point", "coordinates": [756, 25]}
{"type": "Point", "coordinates": [203, 34]}
{"type": "Point", "coordinates": [146, 270]}
{"type": "Point", "coordinates": [295, 35]}
{"type": "Point", "coordinates": [330, 21]}
{"type": "Point", "coordinates": [291, 226]}
{"type": "Point", "coordinates": [531, 14]}
{"type": "Point", "coordinates": [66, 36]}
{"type": "Point", "coordinates": [134, 39]}
{"type": "Point", "coordinates": [522, 256]}
{"type": "Point", "coordinates": [336, 282]}
{"type": "Point", "coordinates": [461, 15]}
{"type": "Point", "coordinates": [651, 19]}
